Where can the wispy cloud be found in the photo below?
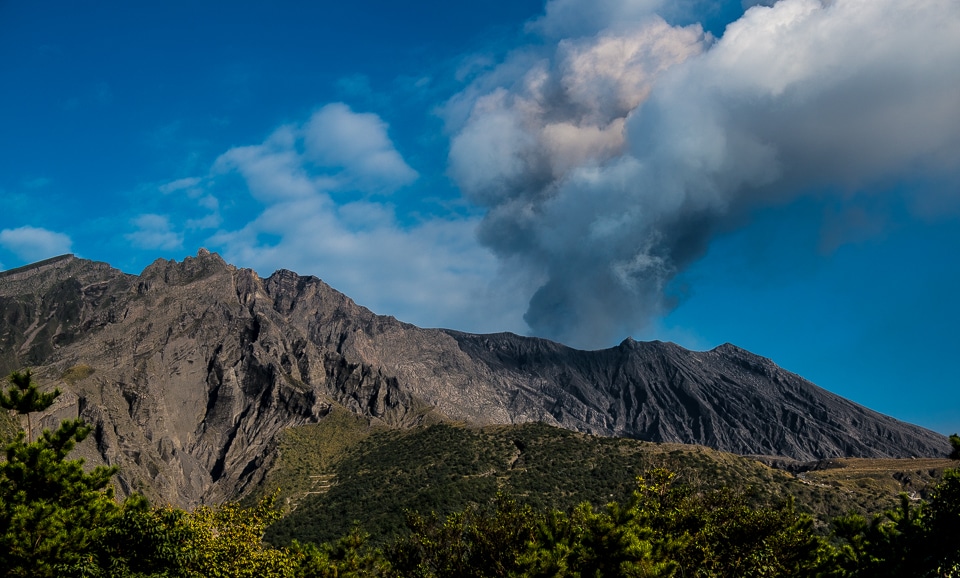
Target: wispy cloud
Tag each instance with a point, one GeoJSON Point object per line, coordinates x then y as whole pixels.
{"type": "Point", "coordinates": [357, 143]}
{"type": "Point", "coordinates": [33, 243]}
{"type": "Point", "coordinates": [189, 184]}
{"type": "Point", "coordinates": [336, 150]}
{"type": "Point", "coordinates": [274, 170]}
{"type": "Point", "coordinates": [36, 183]}
{"type": "Point", "coordinates": [577, 18]}
{"type": "Point", "coordinates": [154, 232]}
{"type": "Point", "coordinates": [432, 272]}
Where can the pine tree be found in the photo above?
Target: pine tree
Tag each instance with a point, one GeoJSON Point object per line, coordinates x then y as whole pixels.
{"type": "Point", "coordinates": [25, 397]}
{"type": "Point", "coordinates": [51, 510]}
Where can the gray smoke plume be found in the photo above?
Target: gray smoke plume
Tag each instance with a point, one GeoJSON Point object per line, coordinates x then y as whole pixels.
{"type": "Point", "coordinates": [608, 159]}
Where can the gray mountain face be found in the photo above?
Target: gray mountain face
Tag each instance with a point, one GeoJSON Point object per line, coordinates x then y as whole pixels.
{"type": "Point", "coordinates": [190, 370]}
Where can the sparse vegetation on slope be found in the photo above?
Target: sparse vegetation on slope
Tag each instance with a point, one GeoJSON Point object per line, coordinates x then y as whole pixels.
{"type": "Point", "coordinates": [58, 520]}
{"type": "Point", "coordinates": [445, 468]}
{"type": "Point", "coordinates": [77, 373]}
{"type": "Point", "coordinates": [307, 456]}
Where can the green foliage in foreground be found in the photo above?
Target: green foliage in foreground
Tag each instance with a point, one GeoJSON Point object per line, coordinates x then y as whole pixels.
{"type": "Point", "coordinates": [51, 510]}
{"type": "Point", "coordinates": [56, 519]}
{"type": "Point", "coordinates": [24, 397]}
{"type": "Point", "coordinates": [374, 476]}
{"type": "Point", "coordinates": [664, 530]}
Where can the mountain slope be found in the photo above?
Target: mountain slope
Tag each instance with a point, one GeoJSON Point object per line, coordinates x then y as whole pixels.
{"type": "Point", "coordinates": [375, 476]}
{"type": "Point", "coordinates": [190, 370]}
{"type": "Point", "coordinates": [726, 398]}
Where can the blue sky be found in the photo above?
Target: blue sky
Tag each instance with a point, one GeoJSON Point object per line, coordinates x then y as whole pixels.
{"type": "Point", "coordinates": [780, 176]}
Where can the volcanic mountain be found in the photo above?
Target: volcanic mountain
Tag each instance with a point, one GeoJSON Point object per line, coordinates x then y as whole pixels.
{"type": "Point", "coordinates": [190, 370]}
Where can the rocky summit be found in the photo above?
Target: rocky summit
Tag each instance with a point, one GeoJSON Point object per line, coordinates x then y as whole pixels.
{"type": "Point", "coordinates": [189, 371]}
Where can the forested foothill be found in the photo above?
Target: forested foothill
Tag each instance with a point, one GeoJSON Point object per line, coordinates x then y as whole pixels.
{"type": "Point", "coordinates": [58, 518]}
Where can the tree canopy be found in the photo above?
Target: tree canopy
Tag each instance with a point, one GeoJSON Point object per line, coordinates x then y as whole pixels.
{"type": "Point", "coordinates": [51, 509]}
{"type": "Point", "coordinates": [24, 397]}
{"type": "Point", "coordinates": [58, 518]}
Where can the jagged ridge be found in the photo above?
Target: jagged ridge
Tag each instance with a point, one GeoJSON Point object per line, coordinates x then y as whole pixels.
{"type": "Point", "coordinates": [198, 365]}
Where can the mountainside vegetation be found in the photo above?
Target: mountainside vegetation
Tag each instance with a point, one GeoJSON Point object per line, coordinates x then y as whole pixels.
{"type": "Point", "coordinates": [51, 509]}
{"type": "Point", "coordinates": [58, 518]}
{"type": "Point", "coordinates": [446, 467]}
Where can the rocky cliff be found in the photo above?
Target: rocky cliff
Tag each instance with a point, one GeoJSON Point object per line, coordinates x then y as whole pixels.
{"type": "Point", "coordinates": [190, 370]}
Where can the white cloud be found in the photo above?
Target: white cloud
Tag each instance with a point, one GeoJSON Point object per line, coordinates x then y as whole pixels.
{"type": "Point", "coordinates": [493, 150]}
{"type": "Point", "coordinates": [33, 243]}
{"type": "Point", "coordinates": [211, 221]}
{"type": "Point", "coordinates": [357, 143]}
{"type": "Point", "coordinates": [273, 170]}
{"type": "Point", "coordinates": [804, 93]}
{"type": "Point", "coordinates": [575, 18]}
{"type": "Point", "coordinates": [433, 272]}
{"type": "Point", "coordinates": [335, 150]}
{"type": "Point", "coordinates": [154, 232]}
{"type": "Point", "coordinates": [544, 124]}
{"type": "Point", "coordinates": [187, 184]}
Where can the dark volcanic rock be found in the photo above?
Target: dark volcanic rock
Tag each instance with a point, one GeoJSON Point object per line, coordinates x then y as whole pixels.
{"type": "Point", "coordinates": [190, 370]}
{"type": "Point", "coordinates": [726, 398]}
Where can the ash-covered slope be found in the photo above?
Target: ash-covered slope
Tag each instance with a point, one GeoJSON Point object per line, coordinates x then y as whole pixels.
{"type": "Point", "coordinates": [189, 370]}
{"type": "Point", "coordinates": [726, 398]}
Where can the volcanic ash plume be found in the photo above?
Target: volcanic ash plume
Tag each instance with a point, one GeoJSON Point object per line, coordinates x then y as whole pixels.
{"type": "Point", "coordinates": [609, 159]}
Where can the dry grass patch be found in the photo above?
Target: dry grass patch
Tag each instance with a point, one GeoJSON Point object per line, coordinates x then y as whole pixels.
{"type": "Point", "coordinates": [77, 373]}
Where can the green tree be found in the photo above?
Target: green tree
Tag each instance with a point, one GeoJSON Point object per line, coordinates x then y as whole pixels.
{"type": "Point", "coordinates": [716, 534]}
{"type": "Point", "coordinates": [942, 526]}
{"type": "Point", "coordinates": [51, 510]}
{"type": "Point", "coordinates": [142, 541]}
{"type": "Point", "coordinates": [665, 530]}
{"type": "Point", "coordinates": [888, 546]}
{"type": "Point", "coordinates": [351, 556]}
{"type": "Point", "coordinates": [609, 542]}
{"type": "Point", "coordinates": [227, 542]}
{"type": "Point", "coordinates": [955, 442]}
{"type": "Point", "coordinates": [475, 542]}
{"type": "Point", "coordinates": [210, 542]}
{"type": "Point", "coordinates": [24, 397]}
{"type": "Point", "coordinates": [910, 541]}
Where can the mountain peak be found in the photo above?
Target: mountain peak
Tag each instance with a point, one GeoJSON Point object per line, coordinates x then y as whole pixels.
{"type": "Point", "coordinates": [730, 348]}
{"type": "Point", "coordinates": [191, 269]}
{"type": "Point", "coordinates": [195, 367]}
